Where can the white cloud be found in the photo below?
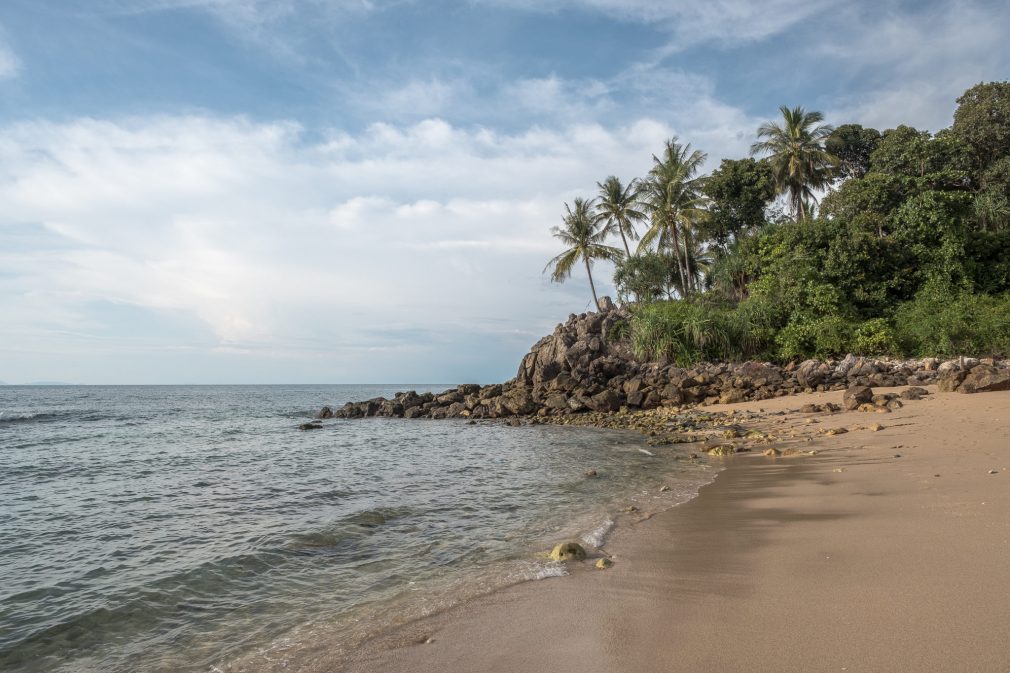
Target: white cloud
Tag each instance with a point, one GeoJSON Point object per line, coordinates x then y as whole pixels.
{"type": "Point", "coordinates": [909, 68]}
{"type": "Point", "coordinates": [10, 64]}
{"type": "Point", "coordinates": [427, 236]}
{"type": "Point", "coordinates": [690, 21]}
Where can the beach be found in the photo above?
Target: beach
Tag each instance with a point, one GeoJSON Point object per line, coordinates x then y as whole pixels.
{"type": "Point", "coordinates": [887, 551]}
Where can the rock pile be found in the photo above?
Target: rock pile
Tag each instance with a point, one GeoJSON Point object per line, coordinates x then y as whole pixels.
{"type": "Point", "coordinates": [974, 376]}
{"type": "Point", "coordinates": [586, 365]}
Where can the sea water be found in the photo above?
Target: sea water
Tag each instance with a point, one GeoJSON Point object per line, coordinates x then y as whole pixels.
{"type": "Point", "coordinates": [195, 528]}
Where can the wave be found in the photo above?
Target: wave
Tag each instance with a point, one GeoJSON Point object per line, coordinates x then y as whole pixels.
{"type": "Point", "coordinates": [21, 416]}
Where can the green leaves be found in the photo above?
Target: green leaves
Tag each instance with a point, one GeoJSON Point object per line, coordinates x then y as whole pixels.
{"type": "Point", "coordinates": [800, 164]}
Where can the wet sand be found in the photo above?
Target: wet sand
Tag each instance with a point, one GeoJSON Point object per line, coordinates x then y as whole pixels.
{"type": "Point", "coordinates": [852, 559]}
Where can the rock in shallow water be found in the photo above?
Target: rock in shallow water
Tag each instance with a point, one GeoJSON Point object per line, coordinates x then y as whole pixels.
{"type": "Point", "coordinates": [568, 551]}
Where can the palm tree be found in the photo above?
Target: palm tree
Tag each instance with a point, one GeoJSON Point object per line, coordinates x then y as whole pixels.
{"type": "Point", "coordinates": [618, 207]}
{"type": "Point", "coordinates": [799, 162]}
{"type": "Point", "coordinates": [584, 237]}
{"type": "Point", "coordinates": [673, 199]}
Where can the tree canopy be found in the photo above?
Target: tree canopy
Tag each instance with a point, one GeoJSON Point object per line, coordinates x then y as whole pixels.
{"type": "Point", "coordinates": [909, 253]}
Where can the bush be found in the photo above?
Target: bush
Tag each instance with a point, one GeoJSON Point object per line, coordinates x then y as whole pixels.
{"type": "Point", "coordinates": [938, 324]}
{"type": "Point", "coordinates": [821, 337]}
{"type": "Point", "coordinates": [876, 337]}
{"type": "Point", "coordinates": [688, 332]}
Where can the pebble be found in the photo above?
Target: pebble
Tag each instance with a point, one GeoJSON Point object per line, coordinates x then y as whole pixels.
{"type": "Point", "coordinates": [993, 471]}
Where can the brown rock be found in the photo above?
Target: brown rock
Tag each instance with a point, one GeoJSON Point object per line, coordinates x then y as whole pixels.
{"type": "Point", "coordinates": [985, 379]}
{"type": "Point", "coordinates": [856, 396]}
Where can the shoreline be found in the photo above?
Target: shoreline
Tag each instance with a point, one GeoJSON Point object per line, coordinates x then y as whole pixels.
{"type": "Point", "coordinates": [814, 562]}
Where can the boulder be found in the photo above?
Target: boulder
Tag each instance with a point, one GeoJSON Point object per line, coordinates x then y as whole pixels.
{"type": "Point", "coordinates": [855, 396]}
{"type": "Point", "coordinates": [608, 400]}
{"type": "Point", "coordinates": [568, 551]}
{"type": "Point", "coordinates": [556, 401]}
{"type": "Point", "coordinates": [985, 379]}
{"type": "Point", "coordinates": [812, 373]}
{"type": "Point", "coordinates": [606, 305]}
{"type": "Point", "coordinates": [950, 379]}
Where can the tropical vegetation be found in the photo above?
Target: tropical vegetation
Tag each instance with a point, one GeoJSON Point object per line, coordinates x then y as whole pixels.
{"type": "Point", "coordinates": [826, 240]}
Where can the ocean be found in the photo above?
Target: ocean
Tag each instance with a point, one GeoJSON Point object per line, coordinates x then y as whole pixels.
{"type": "Point", "coordinates": [151, 529]}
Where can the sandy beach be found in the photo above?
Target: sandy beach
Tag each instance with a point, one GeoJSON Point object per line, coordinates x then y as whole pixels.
{"type": "Point", "coordinates": [887, 551]}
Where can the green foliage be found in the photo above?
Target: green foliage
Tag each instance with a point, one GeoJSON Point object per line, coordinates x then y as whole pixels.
{"type": "Point", "coordinates": [645, 278]}
{"type": "Point", "coordinates": [687, 332]}
{"type": "Point", "coordinates": [738, 192]}
{"type": "Point", "coordinates": [852, 145]}
{"type": "Point", "coordinates": [876, 337]}
{"type": "Point", "coordinates": [909, 254]}
{"type": "Point", "coordinates": [799, 162]}
{"type": "Point", "coordinates": [982, 121]}
{"type": "Point", "coordinates": [820, 337]}
{"type": "Point", "coordinates": [940, 322]}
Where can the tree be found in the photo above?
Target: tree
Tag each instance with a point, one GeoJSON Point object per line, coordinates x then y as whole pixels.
{"type": "Point", "coordinates": [738, 192]}
{"type": "Point", "coordinates": [618, 206]}
{"type": "Point", "coordinates": [982, 120]}
{"type": "Point", "coordinates": [645, 277]}
{"type": "Point", "coordinates": [673, 199]}
{"type": "Point", "coordinates": [852, 145]}
{"type": "Point", "coordinates": [799, 162]}
{"type": "Point", "coordinates": [584, 237]}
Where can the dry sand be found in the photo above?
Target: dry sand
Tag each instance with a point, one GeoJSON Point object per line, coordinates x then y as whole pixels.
{"type": "Point", "coordinates": [849, 560]}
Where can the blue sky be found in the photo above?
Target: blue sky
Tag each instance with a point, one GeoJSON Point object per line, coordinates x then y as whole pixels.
{"type": "Point", "coordinates": [259, 191]}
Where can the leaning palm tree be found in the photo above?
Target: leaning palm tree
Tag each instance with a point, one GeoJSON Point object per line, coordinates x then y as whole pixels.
{"type": "Point", "coordinates": [799, 162]}
{"type": "Point", "coordinates": [619, 209]}
{"type": "Point", "coordinates": [673, 199]}
{"type": "Point", "coordinates": [584, 237]}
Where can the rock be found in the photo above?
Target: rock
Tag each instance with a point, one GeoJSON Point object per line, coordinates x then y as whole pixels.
{"type": "Point", "coordinates": [914, 393]}
{"type": "Point", "coordinates": [556, 401]}
{"type": "Point", "coordinates": [310, 426]}
{"type": "Point", "coordinates": [325, 412]}
{"type": "Point", "coordinates": [733, 396]}
{"type": "Point", "coordinates": [894, 405]}
{"type": "Point", "coordinates": [993, 471]}
{"type": "Point", "coordinates": [771, 453]}
{"type": "Point", "coordinates": [876, 427]}
{"type": "Point", "coordinates": [568, 551]}
{"type": "Point", "coordinates": [606, 305]}
{"type": "Point", "coordinates": [664, 488]}
{"type": "Point", "coordinates": [950, 379]}
{"type": "Point", "coordinates": [722, 450]}
{"type": "Point", "coordinates": [856, 396]}
{"type": "Point", "coordinates": [636, 398]}
{"type": "Point", "coordinates": [811, 373]}
{"type": "Point", "coordinates": [835, 431]}
{"type": "Point", "coordinates": [608, 400]}
{"type": "Point", "coordinates": [591, 474]}
{"type": "Point", "coordinates": [603, 563]}
{"type": "Point", "coordinates": [985, 379]}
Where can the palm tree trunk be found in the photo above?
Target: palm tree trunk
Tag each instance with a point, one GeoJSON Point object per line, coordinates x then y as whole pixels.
{"type": "Point", "coordinates": [627, 250]}
{"type": "Point", "coordinates": [591, 285]}
{"type": "Point", "coordinates": [676, 252]}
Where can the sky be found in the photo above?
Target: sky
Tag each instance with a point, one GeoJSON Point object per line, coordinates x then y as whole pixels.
{"type": "Point", "coordinates": [354, 191]}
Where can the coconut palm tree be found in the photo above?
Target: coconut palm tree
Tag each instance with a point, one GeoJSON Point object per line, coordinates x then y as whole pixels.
{"type": "Point", "coordinates": [799, 162]}
{"type": "Point", "coordinates": [673, 199]}
{"type": "Point", "coordinates": [618, 207]}
{"type": "Point", "coordinates": [584, 237]}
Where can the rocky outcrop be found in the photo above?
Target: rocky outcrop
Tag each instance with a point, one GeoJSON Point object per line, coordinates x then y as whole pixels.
{"type": "Point", "coordinates": [586, 366]}
{"type": "Point", "coordinates": [982, 377]}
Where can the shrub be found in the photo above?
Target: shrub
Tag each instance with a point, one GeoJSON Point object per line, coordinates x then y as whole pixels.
{"type": "Point", "coordinates": [876, 337]}
{"type": "Point", "coordinates": [939, 324]}
{"type": "Point", "coordinates": [688, 332]}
